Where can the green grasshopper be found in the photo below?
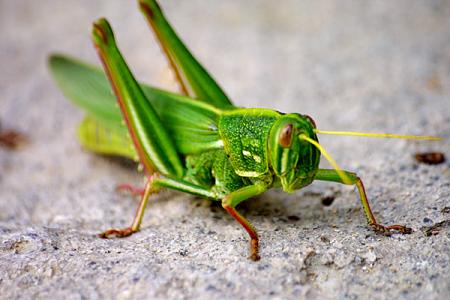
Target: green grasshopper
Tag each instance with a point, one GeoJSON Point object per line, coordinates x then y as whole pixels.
{"type": "Point", "coordinates": [196, 142]}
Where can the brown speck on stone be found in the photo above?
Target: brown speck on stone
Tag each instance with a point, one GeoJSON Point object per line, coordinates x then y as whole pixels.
{"type": "Point", "coordinates": [430, 158]}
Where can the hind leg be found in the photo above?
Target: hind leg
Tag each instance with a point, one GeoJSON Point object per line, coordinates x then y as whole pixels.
{"type": "Point", "coordinates": [153, 185]}
{"type": "Point", "coordinates": [192, 77]}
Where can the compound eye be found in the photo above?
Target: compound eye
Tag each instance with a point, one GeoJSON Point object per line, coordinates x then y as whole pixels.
{"type": "Point", "coordinates": [285, 138]}
{"type": "Point", "coordinates": [311, 120]}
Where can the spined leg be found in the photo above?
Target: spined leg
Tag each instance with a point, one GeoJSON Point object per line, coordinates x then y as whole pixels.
{"type": "Point", "coordinates": [332, 175]}
{"type": "Point", "coordinates": [193, 78]}
{"type": "Point", "coordinates": [154, 146]}
{"type": "Point", "coordinates": [229, 203]}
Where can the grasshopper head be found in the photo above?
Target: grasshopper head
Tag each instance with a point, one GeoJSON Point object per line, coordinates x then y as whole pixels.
{"type": "Point", "coordinates": [294, 161]}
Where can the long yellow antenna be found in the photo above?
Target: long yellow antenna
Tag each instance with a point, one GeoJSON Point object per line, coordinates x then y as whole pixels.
{"type": "Point", "coordinates": [380, 135]}
{"type": "Point", "coordinates": [344, 177]}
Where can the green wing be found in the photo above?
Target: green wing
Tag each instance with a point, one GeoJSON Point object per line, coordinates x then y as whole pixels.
{"type": "Point", "coordinates": [192, 124]}
{"type": "Point", "coordinates": [98, 138]}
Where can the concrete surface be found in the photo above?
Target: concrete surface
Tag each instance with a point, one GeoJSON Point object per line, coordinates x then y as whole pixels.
{"type": "Point", "coordinates": [380, 66]}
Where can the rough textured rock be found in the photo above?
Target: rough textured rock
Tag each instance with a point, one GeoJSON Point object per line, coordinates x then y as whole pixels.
{"type": "Point", "coordinates": [365, 66]}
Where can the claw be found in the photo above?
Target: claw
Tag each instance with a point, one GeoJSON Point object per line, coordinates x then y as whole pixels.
{"type": "Point", "coordinates": [118, 233]}
{"type": "Point", "coordinates": [387, 230]}
{"type": "Point", "coordinates": [254, 255]}
{"type": "Point", "coordinates": [400, 228]}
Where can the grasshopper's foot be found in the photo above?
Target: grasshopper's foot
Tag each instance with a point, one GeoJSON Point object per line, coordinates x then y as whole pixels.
{"type": "Point", "coordinates": [119, 233]}
{"type": "Point", "coordinates": [254, 250]}
{"type": "Point", "coordinates": [126, 187]}
{"type": "Point", "coordinates": [387, 230]}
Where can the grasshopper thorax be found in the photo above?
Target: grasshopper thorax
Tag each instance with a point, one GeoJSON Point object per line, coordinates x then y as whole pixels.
{"type": "Point", "coordinates": [294, 161]}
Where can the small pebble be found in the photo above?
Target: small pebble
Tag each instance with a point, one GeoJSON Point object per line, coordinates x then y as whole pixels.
{"type": "Point", "coordinates": [430, 158]}
{"type": "Point", "coordinates": [427, 220]}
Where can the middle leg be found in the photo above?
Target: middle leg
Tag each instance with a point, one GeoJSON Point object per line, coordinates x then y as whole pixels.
{"type": "Point", "coordinates": [229, 203]}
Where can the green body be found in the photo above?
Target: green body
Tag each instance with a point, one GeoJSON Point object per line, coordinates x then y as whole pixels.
{"type": "Point", "coordinates": [221, 149]}
{"type": "Point", "coordinates": [197, 142]}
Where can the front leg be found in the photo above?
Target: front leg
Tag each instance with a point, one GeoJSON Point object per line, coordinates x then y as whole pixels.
{"type": "Point", "coordinates": [229, 203]}
{"type": "Point", "coordinates": [332, 175]}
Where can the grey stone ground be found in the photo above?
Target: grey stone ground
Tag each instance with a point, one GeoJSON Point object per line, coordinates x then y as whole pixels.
{"type": "Point", "coordinates": [366, 66]}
